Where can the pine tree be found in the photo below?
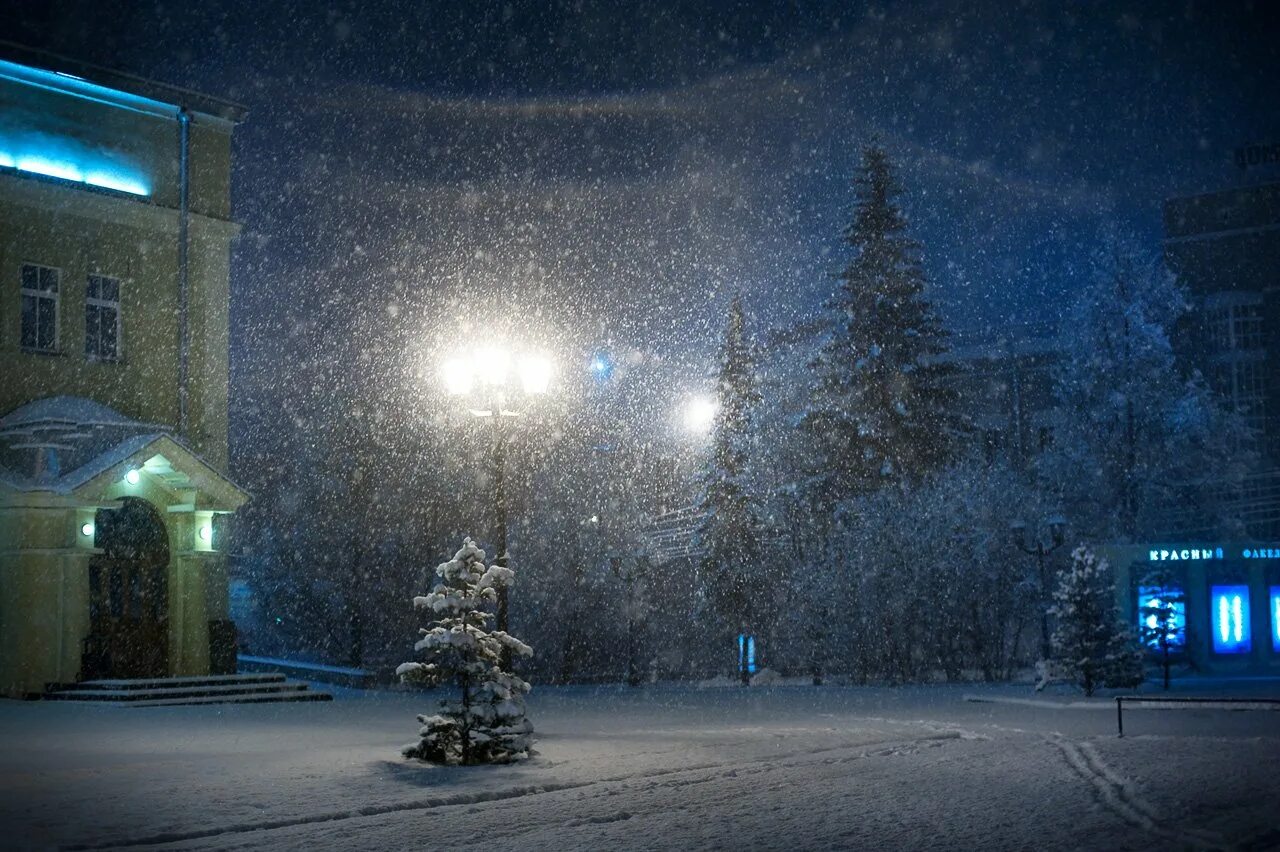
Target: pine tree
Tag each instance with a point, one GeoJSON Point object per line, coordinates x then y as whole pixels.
{"type": "Point", "coordinates": [880, 410]}
{"type": "Point", "coordinates": [487, 724]}
{"type": "Point", "coordinates": [1090, 642]}
{"type": "Point", "coordinates": [732, 579]}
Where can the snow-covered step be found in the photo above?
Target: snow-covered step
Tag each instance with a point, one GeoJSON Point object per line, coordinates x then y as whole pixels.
{"type": "Point", "coordinates": [265, 698]}
{"type": "Point", "coordinates": [190, 690]}
{"type": "Point", "coordinates": [176, 682]}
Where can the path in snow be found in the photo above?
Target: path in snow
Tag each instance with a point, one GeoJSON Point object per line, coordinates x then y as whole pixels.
{"type": "Point", "coordinates": [658, 768]}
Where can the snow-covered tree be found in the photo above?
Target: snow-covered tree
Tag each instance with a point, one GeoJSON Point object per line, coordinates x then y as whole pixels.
{"type": "Point", "coordinates": [1091, 642]}
{"type": "Point", "coordinates": [879, 411]}
{"type": "Point", "coordinates": [1161, 616]}
{"type": "Point", "coordinates": [1133, 436]}
{"type": "Point", "coordinates": [487, 723]}
{"type": "Point", "coordinates": [733, 581]}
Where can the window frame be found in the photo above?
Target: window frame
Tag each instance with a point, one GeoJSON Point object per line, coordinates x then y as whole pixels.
{"type": "Point", "coordinates": [99, 304]}
{"type": "Point", "coordinates": [38, 294]}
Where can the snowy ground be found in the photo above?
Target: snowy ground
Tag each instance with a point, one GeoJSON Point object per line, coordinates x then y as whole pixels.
{"type": "Point", "coordinates": [657, 768]}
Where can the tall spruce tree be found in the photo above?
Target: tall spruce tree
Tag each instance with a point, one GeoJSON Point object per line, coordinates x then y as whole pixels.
{"type": "Point", "coordinates": [880, 410]}
{"type": "Point", "coordinates": [733, 582]}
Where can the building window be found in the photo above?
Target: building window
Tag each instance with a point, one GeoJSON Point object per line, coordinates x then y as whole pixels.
{"type": "Point", "coordinates": [102, 319]}
{"type": "Point", "coordinates": [1234, 327]}
{"type": "Point", "coordinates": [1230, 619]}
{"type": "Point", "coordinates": [1162, 610]}
{"type": "Point", "coordinates": [39, 308]}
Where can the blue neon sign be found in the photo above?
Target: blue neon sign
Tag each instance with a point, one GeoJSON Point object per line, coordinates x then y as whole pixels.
{"type": "Point", "coordinates": [1231, 619]}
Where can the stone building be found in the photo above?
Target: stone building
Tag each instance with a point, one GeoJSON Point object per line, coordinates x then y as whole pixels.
{"type": "Point", "coordinates": [115, 238]}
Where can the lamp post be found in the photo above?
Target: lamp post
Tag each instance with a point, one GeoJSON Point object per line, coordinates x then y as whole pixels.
{"type": "Point", "coordinates": [1057, 536]}
{"type": "Point", "coordinates": [483, 379]}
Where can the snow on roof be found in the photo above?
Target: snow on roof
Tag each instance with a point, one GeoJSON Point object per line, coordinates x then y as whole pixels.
{"type": "Point", "coordinates": [72, 410]}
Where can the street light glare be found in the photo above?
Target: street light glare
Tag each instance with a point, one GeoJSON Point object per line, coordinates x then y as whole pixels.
{"type": "Point", "coordinates": [457, 377]}
{"type": "Point", "coordinates": [491, 364]}
{"type": "Point", "coordinates": [535, 374]}
{"type": "Point", "coordinates": [699, 414]}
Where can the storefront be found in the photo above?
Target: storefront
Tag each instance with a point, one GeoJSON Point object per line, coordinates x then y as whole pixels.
{"type": "Point", "coordinates": [1223, 599]}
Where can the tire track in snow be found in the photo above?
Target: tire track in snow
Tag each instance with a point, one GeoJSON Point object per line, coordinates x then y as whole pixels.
{"type": "Point", "coordinates": [1119, 796]}
{"type": "Point", "coordinates": [753, 766]}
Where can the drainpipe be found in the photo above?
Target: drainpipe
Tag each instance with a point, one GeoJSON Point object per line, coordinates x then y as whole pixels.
{"type": "Point", "coordinates": [184, 294]}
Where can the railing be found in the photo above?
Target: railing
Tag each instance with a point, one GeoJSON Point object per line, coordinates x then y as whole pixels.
{"type": "Point", "coordinates": [1233, 703]}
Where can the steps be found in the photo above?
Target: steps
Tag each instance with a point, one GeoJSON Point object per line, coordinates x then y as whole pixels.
{"type": "Point", "coordinates": [258, 688]}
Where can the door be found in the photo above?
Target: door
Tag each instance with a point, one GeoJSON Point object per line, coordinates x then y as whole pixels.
{"type": "Point", "coordinates": [128, 595]}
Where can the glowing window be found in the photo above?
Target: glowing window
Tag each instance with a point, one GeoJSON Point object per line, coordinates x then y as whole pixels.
{"type": "Point", "coordinates": [1159, 606]}
{"type": "Point", "coordinates": [1275, 619]}
{"type": "Point", "coordinates": [1230, 619]}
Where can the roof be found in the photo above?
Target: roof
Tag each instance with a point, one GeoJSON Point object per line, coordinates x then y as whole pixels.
{"type": "Point", "coordinates": [120, 81]}
{"type": "Point", "coordinates": [63, 444]}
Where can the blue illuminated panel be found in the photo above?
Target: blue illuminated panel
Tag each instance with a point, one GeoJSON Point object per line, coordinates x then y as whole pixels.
{"type": "Point", "coordinates": [1275, 619]}
{"type": "Point", "coordinates": [77, 166]}
{"type": "Point", "coordinates": [1230, 619]}
{"type": "Point", "coordinates": [1152, 600]}
{"type": "Point", "coordinates": [747, 653]}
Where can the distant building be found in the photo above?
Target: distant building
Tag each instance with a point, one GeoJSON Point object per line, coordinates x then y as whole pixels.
{"type": "Point", "coordinates": [1005, 390]}
{"type": "Point", "coordinates": [114, 278]}
{"type": "Point", "coordinates": [1225, 248]}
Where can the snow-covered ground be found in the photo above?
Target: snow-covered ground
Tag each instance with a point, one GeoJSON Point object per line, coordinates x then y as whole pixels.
{"type": "Point", "coordinates": [661, 767]}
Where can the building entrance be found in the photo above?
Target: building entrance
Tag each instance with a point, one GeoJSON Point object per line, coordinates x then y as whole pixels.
{"type": "Point", "coordinates": [128, 595]}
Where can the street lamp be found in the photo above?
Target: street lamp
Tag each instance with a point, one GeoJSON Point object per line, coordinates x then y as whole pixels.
{"type": "Point", "coordinates": [1057, 525]}
{"type": "Point", "coordinates": [699, 415]}
{"type": "Point", "coordinates": [492, 389]}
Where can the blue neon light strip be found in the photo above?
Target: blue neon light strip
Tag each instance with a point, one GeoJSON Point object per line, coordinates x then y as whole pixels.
{"type": "Point", "coordinates": [76, 87]}
{"type": "Point", "coordinates": [70, 171]}
{"type": "Point", "coordinates": [1230, 617]}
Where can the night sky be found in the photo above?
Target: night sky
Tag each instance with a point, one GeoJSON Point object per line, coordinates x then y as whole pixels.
{"type": "Point", "coordinates": [411, 172]}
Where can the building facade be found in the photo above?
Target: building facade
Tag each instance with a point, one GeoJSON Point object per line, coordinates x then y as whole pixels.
{"type": "Point", "coordinates": [115, 237]}
{"type": "Point", "coordinates": [1225, 249]}
{"type": "Point", "coordinates": [1224, 597]}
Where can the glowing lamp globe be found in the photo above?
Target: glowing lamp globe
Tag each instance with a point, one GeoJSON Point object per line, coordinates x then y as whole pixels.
{"type": "Point", "coordinates": [535, 374]}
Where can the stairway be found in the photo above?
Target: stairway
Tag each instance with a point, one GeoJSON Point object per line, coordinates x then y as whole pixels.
{"type": "Point", "coordinates": [172, 691]}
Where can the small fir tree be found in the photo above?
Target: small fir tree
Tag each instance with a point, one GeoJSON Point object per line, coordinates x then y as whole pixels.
{"type": "Point", "coordinates": [1090, 641]}
{"type": "Point", "coordinates": [881, 410]}
{"type": "Point", "coordinates": [1160, 624]}
{"type": "Point", "coordinates": [487, 723]}
{"type": "Point", "coordinates": [732, 580]}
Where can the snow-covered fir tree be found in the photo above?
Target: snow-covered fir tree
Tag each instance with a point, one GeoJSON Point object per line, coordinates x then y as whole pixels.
{"type": "Point", "coordinates": [487, 722]}
{"type": "Point", "coordinates": [733, 582]}
{"type": "Point", "coordinates": [1161, 616]}
{"type": "Point", "coordinates": [880, 410]}
{"type": "Point", "coordinates": [1090, 641]}
{"type": "Point", "coordinates": [1134, 436]}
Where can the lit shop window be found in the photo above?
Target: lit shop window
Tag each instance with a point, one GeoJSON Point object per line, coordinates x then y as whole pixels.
{"type": "Point", "coordinates": [1231, 619]}
{"type": "Point", "coordinates": [1162, 609]}
{"type": "Point", "coordinates": [1275, 619]}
